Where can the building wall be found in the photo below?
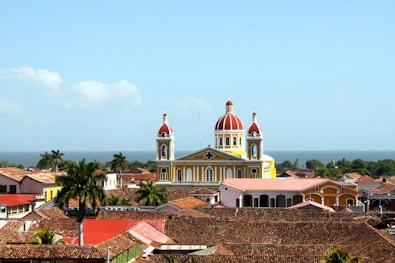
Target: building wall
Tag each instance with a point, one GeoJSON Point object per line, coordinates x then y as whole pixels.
{"type": "Point", "coordinates": [31, 186]}
{"type": "Point", "coordinates": [7, 182]}
{"type": "Point", "coordinates": [50, 192]}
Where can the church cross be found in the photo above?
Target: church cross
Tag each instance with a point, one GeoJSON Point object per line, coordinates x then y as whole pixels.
{"type": "Point", "coordinates": [209, 156]}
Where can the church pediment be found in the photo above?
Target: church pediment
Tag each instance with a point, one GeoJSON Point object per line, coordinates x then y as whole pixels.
{"type": "Point", "coordinates": [210, 154]}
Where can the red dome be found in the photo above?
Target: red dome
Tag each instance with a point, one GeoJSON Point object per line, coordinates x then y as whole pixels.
{"type": "Point", "coordinates": [254, 127]}
{"type": "Point", "coordinates": [165, 130]}
{"type": "Point", "coordinates": [229, 103]}
{"type": "Point", "coordinates": [229, 121]}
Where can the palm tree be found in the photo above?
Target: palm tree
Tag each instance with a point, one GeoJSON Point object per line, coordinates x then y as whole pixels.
{"type": "Point", "coordinates": [116, 200]}
{"type": "Point", "coordinates": [56, 158]}
{"type": "Point", "coordinates": [46, 161]}
{"type": "Point", "coordinates": [46, 237]}
{"type": "Point", "coordinates": [119, 163]}
{"type": "Point", "coordinates": [150, 194]}
{"type": "Point", "coordinates": [81, 183]}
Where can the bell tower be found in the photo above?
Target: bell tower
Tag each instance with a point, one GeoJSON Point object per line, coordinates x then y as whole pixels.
{"type": "Point", "coordinates": [254, 140]}
{"type": "Point", "coordinates": [164, 150]}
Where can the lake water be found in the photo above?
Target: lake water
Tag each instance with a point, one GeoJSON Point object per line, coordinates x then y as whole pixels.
{"type": "Point", "coordinates": [28, 159]}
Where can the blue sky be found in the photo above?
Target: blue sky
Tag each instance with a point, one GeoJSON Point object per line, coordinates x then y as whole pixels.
{"type": "Point", "coordinates": [97, 75]}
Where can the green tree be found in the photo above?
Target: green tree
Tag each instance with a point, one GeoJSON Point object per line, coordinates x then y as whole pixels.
{"type": "Point", "coordinates": [57, 158]}
{"type": "Point", "coordinates": [325, 172]}
{"type": "Point", "coordinates": [358, 164]}
{"type": "Point", "coordinates": [118, 164]}
{"type": "Point", "coordinates": [296, 165]}
{"type": "Point", "coordinates": [81, 183]}
{"type": "Point", "coordinates": [46, 161]}
{"type": "Point", "coordinates": [339, 255]}
{"type": "Point", "coordinates": [46, 237]}
{"type": "Point", "coordinates": [116, 200]}
{"type": "Point", "coordinates": [151, 195]}
{"type": "Point", "coordinates": [314, 164]}
{"type": "Point", "coordinates": [344, 165]}
{"type": "Point", "coordinates": [385, 167]}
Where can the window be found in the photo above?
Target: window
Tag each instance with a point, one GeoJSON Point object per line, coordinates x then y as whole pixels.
{"type": "Point", "coordinates": [45, 195]}
{"type": "Point", "coordinates": [164, 175]}
{"type": "Point", "coordinates": [163, 134]}
{"type": "Point", "coordinates": [163, 151]}
{"type": "Point", "coordinates": [253, 151]}
{"type": "Point", "coordinates": [254, 173]}
{"type": "Point", "coordinates": [179, 175]}
{"type": "Point", "coordinates": [3, 189]}
{"type": "Point", "coordinates": [209, 174]}
{"type": "Point", "coordinates": [234, 141]}
{"type": "Point", "coordinates": [237, 202]}
{"type": "Point", "coordinates": [51, 194]}
{"type": "Point", "coordinates": [12, 189]}
{"type": "Point", "coordinates": [220, 141]}
{"type": "Point", "coordinates": [240, 141]}
{"type": "Point", "coordinates": [3, 210]}
{"type": "Point", "coordinates": [247, 200]}
{"type": "Point", "coordinates": [350, 201]}
{"type": "Point", "coordinates": [227, 141]}
{"type": "Point", "coordinates": [239, 175]}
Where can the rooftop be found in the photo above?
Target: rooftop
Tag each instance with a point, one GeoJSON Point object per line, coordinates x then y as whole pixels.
{"type": "Point", "coordinates": [274, 184]}
{"type": "Point", "coordinates": [16, 199]}
{"type": "Point", "coordinates": [188, 202]}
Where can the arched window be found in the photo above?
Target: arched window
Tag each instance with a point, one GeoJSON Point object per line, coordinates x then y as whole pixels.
{"type": "Point", "coordinates": [234, 141]}
{"type": "Point", "coordinates": [209, 174]}
{"type": "Point", "coordinates": [163, 134]}
{"type": "Point", "coordinates": [227, 141]}
{"type": "Point", "coordinates": [164, 175]}
{"type": "Point", "coordinates": [239, 141]}
{"type": "Point", "coordinates": [253, 151]}
{"type": "Point", "coordinates": [220, 141]}
{"type": "Point", "coordinates": [239, 175]}
{"type": "Point", "coordinates": [163, 152]}
{"type": "Point", "coordinates": [254, 173]}
{"type": "Point", "coordinates": [179, 175]}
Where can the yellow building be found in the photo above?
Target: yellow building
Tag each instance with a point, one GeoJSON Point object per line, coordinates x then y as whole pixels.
{"type": "Point", "coordinates": [233, 156]}
{"type": "Point", "coordinates": [51, 191]}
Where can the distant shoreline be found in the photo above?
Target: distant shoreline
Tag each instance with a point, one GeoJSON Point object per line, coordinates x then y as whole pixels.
{"type": "Point", "coordinates": [30, 158]}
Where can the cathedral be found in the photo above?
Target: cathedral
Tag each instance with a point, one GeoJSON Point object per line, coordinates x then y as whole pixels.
{"type": "Point", "coordinates": [235, 154]}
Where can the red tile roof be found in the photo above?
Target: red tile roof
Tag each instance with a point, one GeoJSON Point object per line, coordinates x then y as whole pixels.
{"type": "Point", "coordinates": [16, 199]}
{"type": "Point", "coordinates": [99, 230]}
{"type": "Point", "coordinates": [366, 179]}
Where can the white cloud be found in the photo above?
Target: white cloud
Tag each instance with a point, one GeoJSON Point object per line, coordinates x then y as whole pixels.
{"type": "Point", "coordinates": [98, 92]}
{"type": "Point", "coordinates": [193, 103]}
{"type": "Point", "coordinates": [40, 77]}
{"type": "Point", "coordinates": [8, 107]}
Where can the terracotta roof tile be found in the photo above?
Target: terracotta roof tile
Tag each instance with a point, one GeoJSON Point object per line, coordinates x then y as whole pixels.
{"type": "Point", "coordinates": [16, 199]}
{"type": "Point", "coordinates": [204, 191]}
{"type": "Point", "coordinates": [311, 203]}
{"type": "Point", "coordinates": [14, 173]}
{"type": "Point", "coordinates": [188, 202]}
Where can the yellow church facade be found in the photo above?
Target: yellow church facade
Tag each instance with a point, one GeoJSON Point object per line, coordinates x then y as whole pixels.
{"type": "Point", "coordinates": [235, 154]}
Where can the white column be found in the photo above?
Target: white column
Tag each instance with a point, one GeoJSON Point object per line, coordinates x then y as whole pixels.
{"type": "Point", "coordinates": [183, 173]}
{"type": "Point", "coordinates": [234, 172]}
{"type": "Point", "coordinates": [194, 173]}
{"type": "Point", "coordinates": [245, 174]}
{"type": "Point", "coordinates": [215, 175]}
{"type": "Point", "coordinates": [241, 200]}
{"type": "Point", "coordinates": [220, 174]}
{"type": "Point", "coordinates": [203, 177]}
